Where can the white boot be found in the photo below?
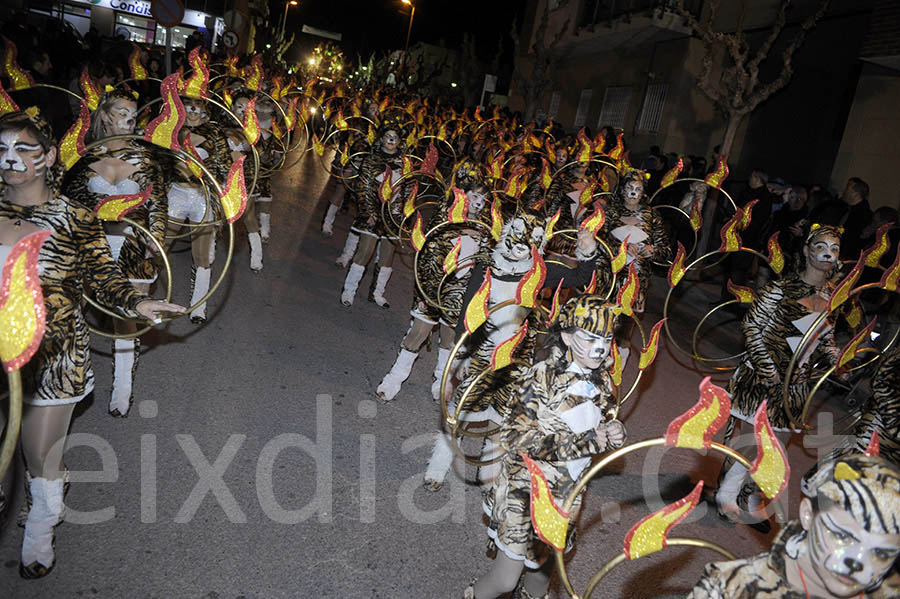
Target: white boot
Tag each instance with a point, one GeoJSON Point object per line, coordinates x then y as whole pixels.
{"type": "Point", "coordinates": [727, 494]}
{"type": "Point", "coordinates": [440, 462]}
{"type": "Point", "coordinates": [384, 275]}
{"type": "Point", "coordinates": [201, 287]}
{"type": "Point", "coordinates": [256, 263]}
{"type": "Point", "coordinates": [443, 356]}
{"type": "Point", "coordinates": [265, 226]}
{"type": "Point", "coordinates": [46, 512]}
{"type": "Point", "coordinates": [390, 384]}
{"type": "Point", "coordinates": [354, 275]}
{"type": "Point", "coordinates": [328, 224]}
{"type": "Point", "coordinates": [123, 368]}
{"type": "Point", "coordinates": [349, 249]}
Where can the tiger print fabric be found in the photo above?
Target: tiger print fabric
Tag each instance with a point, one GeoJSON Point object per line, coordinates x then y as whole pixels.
{"type": "Point", "coordinates": [152, 214]}
{"type": "Point", "coordinates": [75, 256]}
{"type": "Point", "coordinates": [215, 142]}
{"type": "Point", "coordinates": [534, 426]}
{"type": "Point", "coordinates": [764, 576]}
{"type": "Point", "coordinates": [766, 327]}
{"type": "Point", "coordinates": [366, 187]}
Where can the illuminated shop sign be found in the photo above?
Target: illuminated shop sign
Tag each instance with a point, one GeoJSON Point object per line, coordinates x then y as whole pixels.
{"type": "Point", "coordinates": [142, 9]}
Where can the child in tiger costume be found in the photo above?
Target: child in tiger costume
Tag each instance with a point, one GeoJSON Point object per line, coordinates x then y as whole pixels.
{"type": "Point", "coordinates": [844, 544]}
{"type": "Point", "coordinates": [561, 418]}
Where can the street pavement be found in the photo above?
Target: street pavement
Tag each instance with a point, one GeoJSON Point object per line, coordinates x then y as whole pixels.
{"type": "Point", "coordinates": [257, 464]}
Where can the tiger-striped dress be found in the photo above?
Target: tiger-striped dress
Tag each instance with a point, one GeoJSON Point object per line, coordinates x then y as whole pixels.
{"type": "Point", "coordinates": [74, 256]}
{"type": "Point", "coordinates": [535, 426]}
{"type": "Point", "coordinates": [769, 330]}
{"type": "Point", "coordinates": [367, 185]}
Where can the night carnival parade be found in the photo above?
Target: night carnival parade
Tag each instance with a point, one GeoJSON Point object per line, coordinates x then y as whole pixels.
{"type": "Point", "coordinates": [389, 299]}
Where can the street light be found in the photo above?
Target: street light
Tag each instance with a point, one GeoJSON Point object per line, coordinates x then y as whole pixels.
{"type": "Point", "coordinates": [284, 20]}
{"type": "Point", "coordinates": [411, 17]}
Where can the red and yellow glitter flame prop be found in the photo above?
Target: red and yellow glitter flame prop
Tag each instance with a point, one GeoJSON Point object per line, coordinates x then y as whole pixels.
{"type": "Point", "coordinates": [599, 143]}
{"type": "Point", "coordinates": [340, 122]}
{"type": "Point", "coordinates": [731, 241]}
{"type": "Point", "coordinates": [629, 291]}
{"type": "Point", "coordinates": [776, 256]}
{"type": "Point", "coordinates": [18, 78]}
{"type": "Point", "coordinates": [276, 129]}
{"type": "Point", "coordinates": [385, 191]}
{"type": "Point", "coordinates": [72, 147]}
{"type": "Point", "coordinates": [677, 270]}
{"type": "Point", "coordinates": [291, 113]}
{"type": "Point", "coordinates": [496, 169]}
{"type": "Point", "coordinates": [880, 247]}
{"type": "Point", "coordinates": [617, 368]}
{"type": "Point", "coordinates": [254, 73]}
{"type": "Point", "coordinates": [546, 176]}
{"type": "Point", "coordinates": [512, 186]}
{"type": "Point", "coordinates": [459, 209]}
{"type": "Point", "coordinates": [163, 130]}
{"type": "Point", "coordinates": [621, 258]}
{"type": "Point", "coordinates": [531, 284]}
{"type": "Point", "coordinates": [382, 106]}
{"type": "Point", "coordinates": [584, 151]}
{"type": "Point", "coordinates": [6, 103]}
{"type": "Point", "coordinates": [197, 86]}
{"type": "Point", "coordinates": [477, 310]}
{"type": "Point", "coordinates": [89, 90]}
{"type": "Point", "coordinates": [503, 353]}
{"type": "Point", "coordinates": [891, 275]}
{"type": "Point", "coordinates": [278, 88]}
{"type": "Point", "coordinates": [841, 293]}
{"type": "Point", "coordinates": [412, 138]}
{"type": "Point", "coordinates": [744, 295]}
{"type": "Point", "coordinates": [407, 168]}
{"type": "Point", "coordinates": [672, 175]}
{"type": "Point", "coordinates": [648, 353]}
{"type": "Point", "coordinates": [595, 221]}
{"type": "Point", "coordinates": [696, 217]}
{"type": "Point", "coordinates": [250, 126]}
{"type": "Point", "coordinates": [551, 223]}
{"type": "Point", "coordinates": [113, 208]}
{"type": "Point", "coordinates": [619, 150]}
{"type": "Point", "coordinates": [430, 161]}
{"type": "Point", "coordinates": [849, 351]}
{"type": "Point", "coordinates": [696, 428]}
{"type": "Point", "coordinates": [234, 196]}
{"type": "Point", "coordinates": [496, 219]}
{"type": "Point", "coordinates": [649, 535]}
{"type": "Point", "coordinates": [874, 446]}
{"type": "Point", "coordinates": [231, 67]}
{"type": "Point", "coordinates": [22, 311]}
{"type": "Point", "coordinates": [188, 146]}
{"type": "Point", "coordinates": [854, 313]}
{"type": "Point", "coordinates": [587, 194]}
{"type": "Point", "coordinates": [718, 176]}
{"type": "Point", "coordinates": [591, 288]}
{"type": "Point", "coordinates": [746, 214]}
{"type": "Point", "coordinates": [138, 72]}
{"type": "Point", "coordinates": [522, 183]}
{"type": "Point", "coordinates": [451, 260]}
{"type": "Point", "coordinates": [318, 146]}
{"type": "Point", "coordinates": [548, 147]}
{"type": "Point", "coordinates": [418, 235]}
{"type": "Point", "coordinates": [550, 523]}
{"type": "Point", "coordinates": [770, 470]}
{"type": "Point", "coordinates": [442, 132]}
{"type": "Point", "coordinates": [554, 305]}
{"type": "Point", "coordinates": [410, 205]}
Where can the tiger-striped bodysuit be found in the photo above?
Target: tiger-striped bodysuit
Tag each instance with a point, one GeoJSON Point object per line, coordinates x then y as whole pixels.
{"type": "Point", "coordinates": [74, 256]}
{"type": "Point", "coordinates": [367, 189]}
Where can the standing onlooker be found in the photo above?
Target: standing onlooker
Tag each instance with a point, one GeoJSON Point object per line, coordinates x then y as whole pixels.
{"type": "Point", "coordinates": [856, 219]}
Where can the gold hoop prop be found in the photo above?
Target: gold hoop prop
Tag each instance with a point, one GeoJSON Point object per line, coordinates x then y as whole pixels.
{"type": "Point", "coordinates": [326, 141]}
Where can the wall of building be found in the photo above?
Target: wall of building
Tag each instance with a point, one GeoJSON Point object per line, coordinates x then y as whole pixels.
{"type": "Point", "coordinates": [104, 19]}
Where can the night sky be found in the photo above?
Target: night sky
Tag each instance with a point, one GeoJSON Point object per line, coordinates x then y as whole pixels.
{"type": "Point", "coordinates": [378, 25]}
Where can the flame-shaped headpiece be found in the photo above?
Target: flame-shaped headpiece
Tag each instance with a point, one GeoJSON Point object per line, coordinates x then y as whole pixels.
{"type": "Point", "coordinates": [188, 146]}
{"type": "Point", "coordinates": [72, 147]}
{"type": "Point", "coordinates": [197, 85]}
{"type": "Point", "coordinates": [250, 125]}
{"type": "Point", "coordinates": [163, 130]}
{"type": "Point", "coordinates": [696, 428]}
{"type": "Point", "coordinates": [113, 208]}
{"type": "Point", "coordinates": [22, 311]}
{"type": "Point", "coordinates": [649, 535]}
{"type": "Point", "coordinates": [138, 72]}
{"type": "Point", "coordinates": [696, 217]}
{"type": "Point", "coordinates": [19, 78]}
{"type": "Point", "coordinates": [591, 287]}
{"type": "Point", "coordinates": [6, 103]}
{"type": "Point", "coordinates": [746, 215]}
{"type": "Point", "coordinates": [234, 196]}
{"type": "Point", "coordinates": [89, 90]}
{"type": "Point", "coordinates": [617, 152]}
{"type": "Point", "coordinates": [385, 189]}
{"type": "Point", "coordinates": [532, 282]}
{"type": "Point", "coordinates": [587, 194]}
{"type": "Point", "coordinates": [430, 161]}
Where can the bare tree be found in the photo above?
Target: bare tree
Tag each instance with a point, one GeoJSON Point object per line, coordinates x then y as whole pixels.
{"type": "Point", "coordinates": [737, 89]}
{"type": "Point", "coordinates": [534, 85]}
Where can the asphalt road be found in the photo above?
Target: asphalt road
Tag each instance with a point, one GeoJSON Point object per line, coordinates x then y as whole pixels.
{"type": "Point", "coordinates": [256, 463]}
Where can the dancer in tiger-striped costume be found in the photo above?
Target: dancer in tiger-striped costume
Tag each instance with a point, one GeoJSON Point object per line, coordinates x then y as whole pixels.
{"type": "Point", "coordinates": [59, 375]}
{"type": "Point", "coordinates": [115, 168]}
{"type": "Point", "coordinates": [545, 425]}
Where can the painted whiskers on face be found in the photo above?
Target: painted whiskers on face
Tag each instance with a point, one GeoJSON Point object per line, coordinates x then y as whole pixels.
{"type": "Point", "coordinates": [12, 149]}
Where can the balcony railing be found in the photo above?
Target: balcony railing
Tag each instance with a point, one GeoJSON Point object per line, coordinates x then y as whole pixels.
{"type": "Point", "coordinates": [605, 12]}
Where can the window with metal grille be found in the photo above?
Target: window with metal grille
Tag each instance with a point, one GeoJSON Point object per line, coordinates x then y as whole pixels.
{"type": "Point", "coordinates": [615, 106]}
{"type": "Point", "coordinates": [554, 104]}
{"type": "Point", "coordinates": [584, 104]}
{"type": "Point", "coordinates": [651, 113]}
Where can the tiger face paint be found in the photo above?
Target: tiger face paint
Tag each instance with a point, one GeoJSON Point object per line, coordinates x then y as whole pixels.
{"type": "Point", "coordinates": [390, 142]}
{"type": "Point", "coordinates": [477, 202]}
{"type": "Point", "coordinates": [589, 351]}
{"type": "Point", "coordinates": [120, 117]}
{"type": "Point", "coordinates": [22, 158]}
{"type": "Point", "coordinates": [195, 111]}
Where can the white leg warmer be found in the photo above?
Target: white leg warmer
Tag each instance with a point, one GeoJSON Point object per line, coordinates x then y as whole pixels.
{"type": "Point", "coordinates": [265, 226]}
{"type": "Point", "coordinates": [731, 485]}
{"type": "Point", "coordinates": [440, 462]}
{"type": "Point", "coordinates": [384, 275]}
{"type": "Point", "coordinates": [328, 224]}
{"type": "Point", "coordinates": [123, 360]}
{"type": "Point", "coordinates": [46, 512]}
{"type": "Point", "coordinates": [201, 287]}
{"type": "Point", "coordinates": [443, 356]}
{"type": "Point", "coordinates": [390, 384]}
{"type": "Point", "coordinates": [349, 249]}
{"type": "Point", "coordinates": [256, 256]}
{"type": "Point", "coordinates": [351, 283]}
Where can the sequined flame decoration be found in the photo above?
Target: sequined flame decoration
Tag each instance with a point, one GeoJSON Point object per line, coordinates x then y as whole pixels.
{"type": "Point", "coordinates": [849, 351]}
{"type": "Point", "coordinates": [874, 446]}
{"type": "Point", "coordinates": [696, 217]}
{"type": "Point", "coordinates": [290, 113]}
{"type": "Point", "coordinates": [672, 175]}
{"type": "Point", "coordinates": [250, 125]}
{"type": "Point", "coordinates": [551, 223]}
{"type": "Point", "coordinates": [6, 102]}
{"type": "Point", "coordinates": [677, 269]}
{"type": "Point", "coordinates": [546, 176]}
{"type": "Point", "coordinates": [385, 189]}
{"type": "Point", "coordinates": [18, 78]}
{"type": "Point", "coordinates": [549, 521]}
{"type": "Point", "coordinates": [430, 161]}
{"type": "Point", "coordinates": [842, 291]}
{"type": "Point", "coordinates": [188, 146]}
{"type": "Point", "coordinates": [228, 98]}
{"type": "Point", "coordinates": [407, 168]}
{"type": "Point", "coordinates": [718, 176]}
{"type": "Point", "coordinates": [254, 73]}
{"type": "Point", "coordinates": [459, 209]}
{"type": "Point", "coordinates": [72, 147]}
{"type": "Point", "coordinates": [451, 260]}
{"type": "Point", "coordinates": [744, 295]}
{"type": "Point", "coordinates": [496, 219]}
{"type": "Point", "coordinates": [418, 234]}
{"type": "Point", "coordinates": [197, 85]}
{"type": "Point", "coordinates": [617, 367]}
{"type": "Point", "coordinates": [587, 194]}
{"type": "Point", "coordinates": [477, 310]}
{"type": "Point", "coordinates": [163, 130]}
{"type": "Point", "coordinates": [442, 132]}
{"type": "Point", "coordinates": [621, 258]}
{"type": "Point", "coordinates": [599, 143]}
{"type": "Point", "coordinates": [554, 305]}
{"type": "Point", "coordinates": [619, 150]}
{"type": "Point", "coordinates": [696, 428]}
{"type": "Point", "coordinates": [890, 277]}
{"type": "Point", "coordinates": [583, 155]}
{"type": "Point", "coordinates": [731, 241]}
{"type": "Point", "coordinates": [410, 205]}
{"type": "Point", "coordinates": [522, 184]}
{"type": "Point", "coordinates": [532, 282]}
{"type": "Point", "coordinates": [776, 256]}
{"type": "Point", "coordinates": [595, 221]}
{"type": "Point", "coordinates": [548, 147]}
{"type": "Point", "coordinates": [231, 67]}
{"type": "Point", "coordinates": [512, 186]}
{"type": "Point", "coordinates": [746, 214]}
{"type": "Point", "coordinates": [276, 129]}
{"type": "Point", "coordinates": [503, 353]}
{"type": "Point", "coordinates": [591, 288]}
{"type": "Point", "coordinates": [89, 90]}
{"type": "Point", "coordinates": [278, 90]}
{"type": "Point", "coordinates": [234, 196]}
{"type": "Point", "coordinates": [138, 72]}
{"type": "Point", "coordinates": [412, 138]}
{"type": "Point", "coordinates": [629, 291]}
{"type": "Point", "coordinates": [770, 470]}
{"type": "Point", "coordinates": [496, 168]}
{"type": "Point", "coordinates": [854, 315]}
{"type": "Point", "coordinates": [113, 208]}
{"type": "Point", "coordinates": [880, 247]}
{"type": "Point", "coordinates": [340, 122]}
{"type": "Point", "coordinates": [649, 535]}
{"type": "Point", "coordinates": [22, 311]}
{"type": "Point", "coordinates": [648, 352]}
{"type": "Point", "coordinates": [382, 106]}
